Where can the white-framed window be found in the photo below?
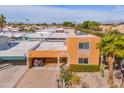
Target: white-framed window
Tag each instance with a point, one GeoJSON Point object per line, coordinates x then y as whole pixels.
{"type": "Point", "coordinates": [83, 60]}
{"type": "Point", "coordinates": [84, 45]}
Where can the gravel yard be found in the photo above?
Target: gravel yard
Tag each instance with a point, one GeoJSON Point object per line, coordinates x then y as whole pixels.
{"type": "Point", "coordinates": [94, 79]}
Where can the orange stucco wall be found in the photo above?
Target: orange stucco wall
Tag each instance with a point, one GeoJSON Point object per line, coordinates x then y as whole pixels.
{"type": "Point", "coordinates": [46, 53]}
{"type": "Point", "coordinates": [72, 51]}
{"type": "Point", "coordinates": [73, 48]}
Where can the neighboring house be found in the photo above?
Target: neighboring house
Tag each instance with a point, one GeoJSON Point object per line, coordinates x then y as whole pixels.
{"type": "Point", "coordinates": [4, 40]}
{"type": "Point", "coordinates": [8, 29]}
{"type": "Point", "coordinates": [17, 51]}
{"type": "Point", "coordinates": [60, 30]}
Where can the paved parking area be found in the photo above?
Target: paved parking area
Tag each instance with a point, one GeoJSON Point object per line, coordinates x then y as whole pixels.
{"type": "Point", "coordinates": [39, 77]}
{"type": "Point", "coordinates": [10, 74]}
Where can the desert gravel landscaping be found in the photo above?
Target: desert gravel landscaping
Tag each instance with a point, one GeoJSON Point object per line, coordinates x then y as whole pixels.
{"type": "Point", "coordinates": [94, 79]}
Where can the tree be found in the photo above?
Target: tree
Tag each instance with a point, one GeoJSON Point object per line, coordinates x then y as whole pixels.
{"type": "Point", "coordinates": [2, 22]}
{"type": "Point", "coordinates": [112, 45]}
{"type": "Point", "coordinates": [122, 70]}
{"type": "Point", "coordinates": [66, 75]}
{"type": "Point", "coordinates": [68, 24]}
{"type": "Point", "coordinates": [115, 32]}
{"type": "Point", "coordinates": [92, 25]}
{"type": "Point", "coordinates": [95, 26]}
{"type": "Point", "coordinates": [54, 24]}
{"type": "Point", "coordinates": [86, 25]}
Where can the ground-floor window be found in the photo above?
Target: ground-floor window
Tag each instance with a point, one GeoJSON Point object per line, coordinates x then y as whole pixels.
{"type": "Point", "coordinates": [82, 60]}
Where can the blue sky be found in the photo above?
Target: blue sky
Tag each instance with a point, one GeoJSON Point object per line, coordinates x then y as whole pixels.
{"type": "Point", "coordinates": [60, 13]}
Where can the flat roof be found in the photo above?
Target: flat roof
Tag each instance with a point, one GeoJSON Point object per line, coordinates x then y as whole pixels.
{"type": "Point", "coordinates": [11, 53]}
{"type": "Point", "coordinates": [48, 30]}
{"type": "Point", "coordinates": [47, 35]}
{"type": "Point", "coordinates": [37, 35]}
{"type": "Point", "coordinates": [25, 46]}
{"type": "Point", "coordinates": [20, 49]}
{"type": "Point", "coordinates": [58, 35]}
{"type": "Point", "coordinates": [52, 46]}
{"type": "Point", "coordinates": [81, 36]}
{"type": "Point", "coordinates": [15, 34]}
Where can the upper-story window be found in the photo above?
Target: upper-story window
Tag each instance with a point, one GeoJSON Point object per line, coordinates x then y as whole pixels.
{"type": "Point", "coordinates": [84, 45]}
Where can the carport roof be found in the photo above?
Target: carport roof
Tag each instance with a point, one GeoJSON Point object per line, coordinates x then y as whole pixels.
{"type": "Point", "coordinates": [19, 51]}
{"type": "Point", "coordinates": [12, 55]}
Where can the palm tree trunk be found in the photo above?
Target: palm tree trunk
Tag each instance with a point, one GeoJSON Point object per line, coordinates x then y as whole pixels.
{"type": "Point", "coordinates": [122, 84]}
{"type": "Point", "coordinates": [110, 78]}
{"type": "Point", "coordinates": [1, 29]}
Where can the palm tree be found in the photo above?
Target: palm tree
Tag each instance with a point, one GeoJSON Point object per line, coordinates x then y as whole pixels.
{"type": "Point", "coordinates": [112, 45]}
{"type": "Point", "coordinates": [122, 70]}
{"type": "Point", "coordinates": [2, 22]}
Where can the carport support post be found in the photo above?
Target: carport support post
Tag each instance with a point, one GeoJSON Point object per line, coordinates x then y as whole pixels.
{"type": "Point", "coordinates": [68, 61]}
{"type": "Point", "coordinates": [58, 62]}
{"type": "Point", "coordinates": [27, 63]}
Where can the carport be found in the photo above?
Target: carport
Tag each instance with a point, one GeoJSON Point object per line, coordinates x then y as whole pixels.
{"type": "Point", "coordinates": [58, 55]}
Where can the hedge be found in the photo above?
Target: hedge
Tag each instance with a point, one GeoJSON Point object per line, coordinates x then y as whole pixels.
{"type": "Point", "coordinates": [84, 68]}
{"type": "Point", "coordinates": [87, 31]}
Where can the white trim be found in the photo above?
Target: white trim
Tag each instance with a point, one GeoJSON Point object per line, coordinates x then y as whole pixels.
{"type": "Point", "coordinates": [58, 62]}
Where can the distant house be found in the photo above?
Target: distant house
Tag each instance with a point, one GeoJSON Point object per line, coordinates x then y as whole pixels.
{"type": "Point", "coordinates": [6, 29]}
{"type": "Point", "coordinates": [60, 30]}
{"type": "Point", "coordinates": [4, 40]}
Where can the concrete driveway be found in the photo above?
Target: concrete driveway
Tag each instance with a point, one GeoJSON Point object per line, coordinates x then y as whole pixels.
{"type": "Point", "coordinates": [39, 78]}
{"type": "Point", "coordinates": [10, 74]}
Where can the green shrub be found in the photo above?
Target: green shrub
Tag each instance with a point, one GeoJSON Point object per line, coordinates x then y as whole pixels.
{"type": "Point", "coordinates": [84, 68]}
{"type": "Point", "coordinates": [102, 71]}
{"type": "Point", "coordinates": [75, 80]}
{"type": "Point", "coordinates": [113, 86]}
{"type": "Point", "coordinates": [66, 74]}
{"type": "Point", "coordinates": [13, 37]}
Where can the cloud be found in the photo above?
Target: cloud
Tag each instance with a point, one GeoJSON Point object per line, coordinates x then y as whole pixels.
{"type": "Point", "coordinates": [56, 14]}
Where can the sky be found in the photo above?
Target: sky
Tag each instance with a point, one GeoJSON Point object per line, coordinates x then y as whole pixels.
{"type": "Point", "coordinates": [61, 13]}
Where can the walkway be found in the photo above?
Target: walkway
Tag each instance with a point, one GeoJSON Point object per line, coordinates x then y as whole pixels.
{"type": "Point", "coordinates": [39, 77]}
